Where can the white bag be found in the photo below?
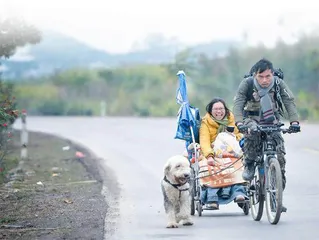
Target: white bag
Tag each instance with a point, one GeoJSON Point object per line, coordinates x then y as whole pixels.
{"type": "Point", "coordinates": [226, 142]}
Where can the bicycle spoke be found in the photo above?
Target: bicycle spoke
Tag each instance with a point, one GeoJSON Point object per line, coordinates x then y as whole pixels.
{"type": "Point", "coordinates": [256, 197]}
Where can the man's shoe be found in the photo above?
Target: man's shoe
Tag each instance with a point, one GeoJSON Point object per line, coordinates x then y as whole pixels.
{"type": "Point", "coordinates": [283, 208]}
{"type": "Point", "coordinates": [249, 172]}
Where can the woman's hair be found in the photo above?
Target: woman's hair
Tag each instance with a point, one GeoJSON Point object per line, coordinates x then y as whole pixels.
{"type": "Point", "coordinates": [216, 100]}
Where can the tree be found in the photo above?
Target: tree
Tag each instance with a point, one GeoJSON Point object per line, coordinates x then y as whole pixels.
{"type": "Point", "coordinates": [16, 33]}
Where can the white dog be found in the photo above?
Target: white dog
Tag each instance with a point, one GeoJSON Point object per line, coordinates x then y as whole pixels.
{"type": "Point", "coordinates": [175, 188]}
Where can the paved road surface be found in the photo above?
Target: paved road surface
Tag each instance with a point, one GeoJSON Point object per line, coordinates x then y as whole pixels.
{"type": "Point", "coordinates": [136, 150]}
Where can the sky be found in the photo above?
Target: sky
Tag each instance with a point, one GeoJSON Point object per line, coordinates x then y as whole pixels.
{"type": "Point", "coordinates": [115, 26]}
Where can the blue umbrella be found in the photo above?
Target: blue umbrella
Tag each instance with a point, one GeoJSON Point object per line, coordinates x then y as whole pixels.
{"type": "Point", "coordinates": [188, 117]}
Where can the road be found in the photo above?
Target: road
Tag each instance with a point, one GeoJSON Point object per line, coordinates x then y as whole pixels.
{"type": "Point", "coordinates": [136, 149]}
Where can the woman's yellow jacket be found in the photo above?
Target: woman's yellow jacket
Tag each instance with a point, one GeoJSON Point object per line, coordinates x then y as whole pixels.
{"type": "Point", "coordinates": [208, 132]}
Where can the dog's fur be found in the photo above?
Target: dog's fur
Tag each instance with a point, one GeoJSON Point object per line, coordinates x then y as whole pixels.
{"type": "Point", "coordinates": [176, 191]}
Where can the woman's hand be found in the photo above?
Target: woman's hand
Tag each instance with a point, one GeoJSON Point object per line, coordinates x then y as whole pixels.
{"type": "Point", "coordinates": [210, 161]}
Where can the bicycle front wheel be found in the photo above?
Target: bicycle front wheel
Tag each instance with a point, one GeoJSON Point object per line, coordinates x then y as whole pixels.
{"type": "Point", "coordinates": [256, 195]}
{"type": "Point", "coordinates": [274, 190]}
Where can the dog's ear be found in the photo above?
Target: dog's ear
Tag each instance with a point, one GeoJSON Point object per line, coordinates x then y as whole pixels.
{"type": "Point", "coordinates": [167, 168]}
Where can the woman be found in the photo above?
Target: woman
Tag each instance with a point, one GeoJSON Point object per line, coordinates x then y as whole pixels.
{"type": "Point", "coordinates": [218, 119]}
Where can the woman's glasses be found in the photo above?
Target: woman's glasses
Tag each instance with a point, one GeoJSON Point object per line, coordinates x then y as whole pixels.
{"type": "Point", "coordinates": [218, 109]}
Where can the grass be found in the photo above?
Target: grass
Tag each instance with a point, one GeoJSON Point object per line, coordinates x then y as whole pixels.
{"type": "Point", "coordinates": [9, 163]}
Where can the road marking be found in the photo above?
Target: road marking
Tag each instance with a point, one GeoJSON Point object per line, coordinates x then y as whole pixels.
{"type": "Point", "coordinates": [316, 151]}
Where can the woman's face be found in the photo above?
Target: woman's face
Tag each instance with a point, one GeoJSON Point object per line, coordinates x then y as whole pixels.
{"type": "Point", "coordinates": [218, 111]}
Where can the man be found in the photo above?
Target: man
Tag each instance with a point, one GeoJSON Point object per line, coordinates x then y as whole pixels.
{"type": "Point", "coordinates": [258, 100]}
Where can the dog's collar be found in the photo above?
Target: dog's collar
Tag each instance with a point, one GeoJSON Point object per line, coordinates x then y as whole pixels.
{"type": "Point", "coordinates": [176, 185]}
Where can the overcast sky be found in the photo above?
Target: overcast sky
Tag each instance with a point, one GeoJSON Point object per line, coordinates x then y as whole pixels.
{"type": "Point", "coordinates": [115, 25]}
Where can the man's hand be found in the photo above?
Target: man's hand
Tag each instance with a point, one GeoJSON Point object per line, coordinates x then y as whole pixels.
{"type": "Point", "coordinates": [241, 127]}
{"type": "Point", "coordinates": [294, 127]}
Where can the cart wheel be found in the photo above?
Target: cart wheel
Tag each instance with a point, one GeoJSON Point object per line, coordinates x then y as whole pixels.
{"type": "Point", "coordinates": [193, 195]}
{"type": "Point", "coordinates": [192, 205]}
{"type": "Point", "coordinates": [199, 208]}
{"type": "Point", "coordinates": [246, 208]}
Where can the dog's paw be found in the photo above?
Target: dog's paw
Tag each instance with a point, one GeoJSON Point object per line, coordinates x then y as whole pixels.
{"type": "Point", "coordinates": [172, 225]}
{"type": "Point", "coordinates": [188, 223]}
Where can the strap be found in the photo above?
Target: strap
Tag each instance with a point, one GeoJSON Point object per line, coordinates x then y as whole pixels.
{"type": "Point", "coordinates": [175, 185]}
{"type": "Point", "coordinates": [250, 91]}
{"type": "Point", "coordinates": [252, 113]}
{"type": "Point", "coordinates": [278, 98]}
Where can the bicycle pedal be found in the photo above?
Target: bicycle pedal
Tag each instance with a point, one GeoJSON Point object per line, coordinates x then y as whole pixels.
{"type": "Point", "coordinates": [252, 187]}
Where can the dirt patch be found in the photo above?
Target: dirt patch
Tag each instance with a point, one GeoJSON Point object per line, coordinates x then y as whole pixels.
{"type": "Point", "coordinates": [58, 196]}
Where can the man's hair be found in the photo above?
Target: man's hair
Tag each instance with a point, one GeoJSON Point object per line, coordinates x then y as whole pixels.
{"type": "Point", "coordinates": [261, 66]}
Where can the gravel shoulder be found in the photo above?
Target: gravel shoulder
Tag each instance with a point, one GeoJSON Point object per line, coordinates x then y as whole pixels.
{"type": "Point", "coordinates": [58, 195]}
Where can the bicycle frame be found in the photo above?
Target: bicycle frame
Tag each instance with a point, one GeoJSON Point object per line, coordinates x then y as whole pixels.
{"type": "Point", "coordinates": [268, 151]}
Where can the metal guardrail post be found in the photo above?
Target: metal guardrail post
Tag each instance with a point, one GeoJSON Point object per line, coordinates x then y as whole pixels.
{"type": "Point", "coordinates": [24, 136]}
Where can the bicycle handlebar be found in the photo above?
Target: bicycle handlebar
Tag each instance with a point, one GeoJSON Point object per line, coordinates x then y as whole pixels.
{"type": "Point", "coordinates": [273, 128]}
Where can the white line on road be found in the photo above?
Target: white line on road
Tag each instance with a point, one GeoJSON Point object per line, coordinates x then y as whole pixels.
{"type": "Point", "coordinates": [316, 151]}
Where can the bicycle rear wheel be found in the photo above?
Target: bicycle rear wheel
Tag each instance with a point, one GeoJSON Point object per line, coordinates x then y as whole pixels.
{"type": "Point", "coordinates": [256, 195]}
{"type": "Point", "coordinates": [274, 191]}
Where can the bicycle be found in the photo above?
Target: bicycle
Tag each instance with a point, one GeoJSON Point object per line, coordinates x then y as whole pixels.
{"type": "Point", "coordinates": [266, 186]}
